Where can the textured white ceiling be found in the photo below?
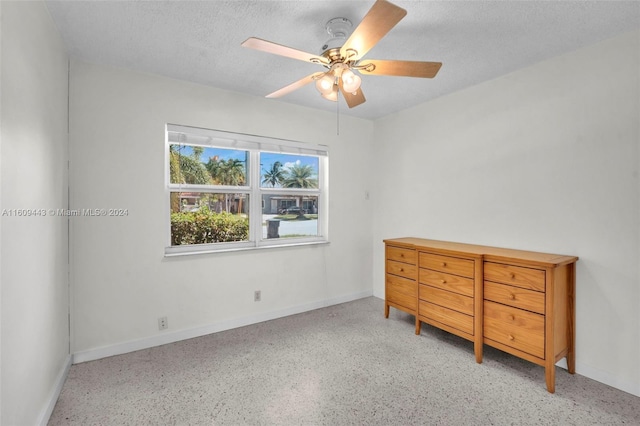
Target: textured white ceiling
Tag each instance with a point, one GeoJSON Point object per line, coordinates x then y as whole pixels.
{"type": "Point", "coordinates": [200, 41]}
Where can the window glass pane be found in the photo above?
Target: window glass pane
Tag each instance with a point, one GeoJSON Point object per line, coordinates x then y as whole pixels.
{"type": "Point", "coordinates": [204, 218]}
{"type": "Point", "coordinates": [288, 171]}
{"type": "Point", "coordinates": [199, 165]}
{"type": "Point", "coordinates": [214, 178]}
{"type": "Point", "coordinates": [289, 216]}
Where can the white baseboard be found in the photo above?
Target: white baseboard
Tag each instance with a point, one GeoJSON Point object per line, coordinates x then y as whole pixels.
{"type": "Point", "coordinates": [607, 379]}
{"type": "Point", "coordinates": [46, 412]}
{"type": "Point", "coordinates": [603, 377]}
{"type": "Point", "coordinates": [176, 336]}
{"type": "Point", "coordinates": [135, 345]}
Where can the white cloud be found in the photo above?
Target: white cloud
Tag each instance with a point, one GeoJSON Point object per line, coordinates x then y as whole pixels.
{"type": "Point", "coordinates": [290, 164]}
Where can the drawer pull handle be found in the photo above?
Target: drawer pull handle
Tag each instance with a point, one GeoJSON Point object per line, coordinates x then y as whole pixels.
{"type": "Point", "coordinates": [513, 276]}
{"type": "Point", "coordinates": [512, 317]}
{"type": "Point", "coordinates": [444, 281]}
{"type": "Point", "coordinates": [511, 337]}
{"type": "Point", "coordinates": [401, 254]}
{"type": "Point", "coordinates": [444, 263]}
{"type": "Point", "coordinates": [512, 296]}
{"type": "Point", "coordinates": [401, 269]}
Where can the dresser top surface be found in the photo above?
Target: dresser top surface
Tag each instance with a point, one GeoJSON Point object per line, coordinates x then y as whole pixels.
{"type": "Point", "coordinates": [486, 252]}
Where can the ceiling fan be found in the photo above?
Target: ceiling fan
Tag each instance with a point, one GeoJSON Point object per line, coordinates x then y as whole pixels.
{"type": "Point", "coordinates": [342, 56]}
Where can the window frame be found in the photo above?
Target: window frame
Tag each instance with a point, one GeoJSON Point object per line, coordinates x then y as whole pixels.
{"type": "Point", "coordinates": [193, 136]}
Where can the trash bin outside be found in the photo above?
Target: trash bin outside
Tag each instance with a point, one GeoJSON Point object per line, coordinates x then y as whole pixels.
{"type": "Point", "coordinates": [273, 226]}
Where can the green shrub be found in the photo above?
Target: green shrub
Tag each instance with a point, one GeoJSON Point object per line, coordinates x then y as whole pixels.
{"type": "Point", "coordinates": [205, 227]}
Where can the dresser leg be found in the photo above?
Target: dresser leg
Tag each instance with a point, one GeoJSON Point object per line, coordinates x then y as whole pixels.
{"type": "Point", "coordinates": [550, 376]}
{"type": "Point", "coordinates": [418, 326]}
{"type": "Point", "coordinates": [571, 362]}
{"type": "Point", "coordinates": [477, 349]}
{"type": "Point", "coordinates": [571, 316]}
{"type": "Point", "coordinates": [386, 310]}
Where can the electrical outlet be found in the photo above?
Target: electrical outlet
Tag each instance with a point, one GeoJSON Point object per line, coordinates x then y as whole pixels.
{"type": "Point", "coordinates": [257, 296]}
{"type": "Point", "coordinates": [163, 324]}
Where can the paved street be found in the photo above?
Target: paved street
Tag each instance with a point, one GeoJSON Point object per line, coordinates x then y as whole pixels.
{"type": "Point", "coordinates": [292, 227]}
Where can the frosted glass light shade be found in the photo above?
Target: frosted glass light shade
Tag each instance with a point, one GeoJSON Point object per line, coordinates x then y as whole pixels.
{"type": "Point", "coordinates": [332, 96]}
{"type": "Point", "coordinates": [350, 81]}
{"type": "Point", "coordinates": [325, 84]}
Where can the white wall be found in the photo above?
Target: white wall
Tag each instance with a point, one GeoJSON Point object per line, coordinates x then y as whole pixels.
{"type": "Point", "coordinates": [1, 210]}
{"type": "Point", "coordinates": [35, 342]}
{"type": "Point", "coordinates": [121, 283]}
{"type": "Point", "coordinates": [545, 159]}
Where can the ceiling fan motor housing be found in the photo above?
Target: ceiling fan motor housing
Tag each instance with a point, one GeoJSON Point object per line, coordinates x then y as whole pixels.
{"type": "Point", "coordinates": [339, 29]}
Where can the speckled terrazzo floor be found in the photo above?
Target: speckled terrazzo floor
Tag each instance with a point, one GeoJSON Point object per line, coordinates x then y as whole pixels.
{"type": "Point", "coordinates": [341, 365]}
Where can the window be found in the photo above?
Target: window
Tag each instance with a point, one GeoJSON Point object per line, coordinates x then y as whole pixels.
{"type": "Point", "coordinates": [229, 191]}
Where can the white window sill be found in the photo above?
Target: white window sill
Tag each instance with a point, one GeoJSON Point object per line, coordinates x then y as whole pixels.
{"type": "Point", "coordinates": [171, 252]}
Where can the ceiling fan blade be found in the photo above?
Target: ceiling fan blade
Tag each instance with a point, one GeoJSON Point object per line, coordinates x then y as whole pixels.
{"type": "Point", "coordinates": [401, 68]}
{"type": "Point", "coordinates": [353, 99]}
{"type": "Point", "coordinates": [278, 49]}
{"type": "Point", "coordinates": [380, 19]}
{"type": "Point", "coordinates": [294, 86]}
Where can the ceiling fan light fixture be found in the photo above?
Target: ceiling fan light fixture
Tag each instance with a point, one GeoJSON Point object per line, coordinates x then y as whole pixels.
{"type": "Point", "coordinates": [331, 96]}
{"type": "Point", "coordinates": [342, 54]}
{"type": "Point", "coordinates": [325, 84]}
{"type": "Point", "coordinates": [350, 81]}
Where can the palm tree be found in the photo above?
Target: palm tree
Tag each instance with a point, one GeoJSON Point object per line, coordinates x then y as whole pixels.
{"type": "Point", "coordinates": [233, 172]}
{"type": "Point", "coordinates": [213, 166]}
{"type": "Point", "coordinates": [300, 177]}
{"type": "Point", "coordinates": [230, 172]}
{"type": "Point", "coordinates": [185, 169]}
{"type": "Point", "coordinates": [275, 175]}
{"type": "Point", "coordinates": [197, 152]}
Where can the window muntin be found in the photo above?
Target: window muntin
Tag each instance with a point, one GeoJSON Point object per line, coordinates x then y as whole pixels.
{"type": "Point", "coordinates": [262, 207]}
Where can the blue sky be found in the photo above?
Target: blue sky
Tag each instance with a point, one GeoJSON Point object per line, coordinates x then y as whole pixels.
{"type": "Point", "coordinates": [223, 154]}
{"type": "Point", "coordinates": [266, 158]}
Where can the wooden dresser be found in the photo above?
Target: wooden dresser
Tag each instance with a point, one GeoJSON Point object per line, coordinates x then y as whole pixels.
{"type": "Point", "coordinates": [520, 302]}
{"type": "Point", "coordinates": [401, 288]}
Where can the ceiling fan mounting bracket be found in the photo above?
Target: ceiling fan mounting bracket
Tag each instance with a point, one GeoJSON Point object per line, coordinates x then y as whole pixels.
{"type": "Point", "coordinates": [339, 29]}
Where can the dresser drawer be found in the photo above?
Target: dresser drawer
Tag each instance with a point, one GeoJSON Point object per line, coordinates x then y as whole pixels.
{"type": "Point", "coordinates": [515, 275]}
{"type": "Point", "coordinates": [447, 299]}
{"type": "Point", "coordinates": [446, 316]}
{"type": "Point", "coordinates": [513, 327]}
{"type": "Point", "coordinates": [401, 254]}
{"type": "Point", "coordinates": [403, 269]}
{"type": "Point", "coordinates": [450, 265]}
{"type": "Point", "coordinates": [401, 291]}
{"type": "Point", "coordinates": [514, 296]}
{"type": "Point", "coordinates": [445, 281]}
